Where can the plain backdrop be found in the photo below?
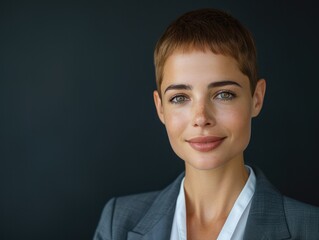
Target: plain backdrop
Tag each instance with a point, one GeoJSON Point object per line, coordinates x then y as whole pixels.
{"type": "Point", "coordinates": [77, 121]}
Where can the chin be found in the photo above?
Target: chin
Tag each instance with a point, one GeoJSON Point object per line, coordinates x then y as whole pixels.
{"type": "Point", "coordinates": [204, 164]}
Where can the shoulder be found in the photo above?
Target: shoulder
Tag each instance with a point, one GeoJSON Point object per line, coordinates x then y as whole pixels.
{"type": "Point", "coordinates": [275, 215]}
{"type": "Point", "coordinates": [295, 207]}
{"type": "Point", "coordinates": [132, 208]}
{"type": "Point", "coordinates": [300, 215]}
{"type": "Point", "coordinates": [123, 213]}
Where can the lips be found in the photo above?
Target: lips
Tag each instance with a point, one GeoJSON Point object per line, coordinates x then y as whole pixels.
{"type": "Point", "coordinates": [205, 143]}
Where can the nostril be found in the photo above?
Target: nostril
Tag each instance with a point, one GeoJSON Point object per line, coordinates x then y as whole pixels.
{"type": "Point", "coordinates": [202, 118]}
{"type": "Point", "coordinates": [201, 121]}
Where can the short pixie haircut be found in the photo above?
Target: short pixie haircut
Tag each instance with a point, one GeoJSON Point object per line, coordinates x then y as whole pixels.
{"type": "Point", "coordinates": [208, 29]}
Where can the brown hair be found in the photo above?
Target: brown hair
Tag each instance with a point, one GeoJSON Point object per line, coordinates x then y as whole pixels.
{"type": "Point", "coordinates": [208, 29]}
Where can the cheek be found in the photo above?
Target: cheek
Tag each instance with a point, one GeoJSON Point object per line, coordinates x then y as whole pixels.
{"type": "Point", "coordinates": [237, 121]}
{"type": "Point", "coordinates": [175, 123]}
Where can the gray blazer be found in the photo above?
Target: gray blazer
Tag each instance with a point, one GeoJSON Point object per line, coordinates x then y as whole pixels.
{"type": "Point", "coordinates": [150, 215]}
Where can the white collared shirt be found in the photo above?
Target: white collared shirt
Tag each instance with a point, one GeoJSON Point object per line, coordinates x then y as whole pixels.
{"type": "Point", "coordinates": [235, 224]}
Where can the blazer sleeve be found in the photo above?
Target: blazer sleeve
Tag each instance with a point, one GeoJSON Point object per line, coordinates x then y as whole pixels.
{"type": "Point", "coordinates": [104, 228]}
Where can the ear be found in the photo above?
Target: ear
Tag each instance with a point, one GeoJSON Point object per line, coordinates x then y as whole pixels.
{"type": "Point", "coordinates": [258, 97]}
{"type": "Point", "coordinates": [159, 106]}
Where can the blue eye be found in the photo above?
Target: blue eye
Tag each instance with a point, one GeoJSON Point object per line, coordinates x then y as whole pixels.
{"type": "Point", "coordinates": [225, 96]}
{"type": "Point", "coordinates": [178, 99]}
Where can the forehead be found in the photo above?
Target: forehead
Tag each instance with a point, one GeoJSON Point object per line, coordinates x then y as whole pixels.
{"type": "Point", "coordinates": [200, 66]}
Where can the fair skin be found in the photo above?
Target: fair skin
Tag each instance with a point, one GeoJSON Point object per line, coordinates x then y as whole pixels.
{"type": "Point", "coordinates": [206, 106]}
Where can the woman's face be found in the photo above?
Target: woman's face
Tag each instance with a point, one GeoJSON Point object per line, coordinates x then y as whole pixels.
{"type": "Point", "coordinates": [207, 106]}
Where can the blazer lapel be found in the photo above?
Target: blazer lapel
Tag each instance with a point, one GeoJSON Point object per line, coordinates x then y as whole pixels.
{"type": "Point", "coordinates": [157, 222]}
{"type": "Point", "coordinates": [266, 218]}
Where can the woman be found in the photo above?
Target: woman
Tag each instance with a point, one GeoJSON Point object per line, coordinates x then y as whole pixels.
{"type": "Point", "coordinates": [207, 93]}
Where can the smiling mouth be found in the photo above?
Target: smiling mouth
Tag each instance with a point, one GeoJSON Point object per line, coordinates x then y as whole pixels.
{"type": "Point", "coordinates": [205, 143]}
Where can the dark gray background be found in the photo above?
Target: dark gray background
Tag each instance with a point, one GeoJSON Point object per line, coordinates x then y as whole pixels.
{"type": "Point", "coordinates": [77, 121]}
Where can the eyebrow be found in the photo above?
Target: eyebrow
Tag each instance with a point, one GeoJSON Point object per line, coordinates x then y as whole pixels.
{"type": "Point", "coordinates": [211, 85]}
{"type": "Point", "coordinates": [223, 83]}
{"type": "Point", "coordinates": [178, 87]}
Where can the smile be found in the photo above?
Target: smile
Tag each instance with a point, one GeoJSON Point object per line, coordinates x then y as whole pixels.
{"type": "Point", "coordinates": [205, 144]}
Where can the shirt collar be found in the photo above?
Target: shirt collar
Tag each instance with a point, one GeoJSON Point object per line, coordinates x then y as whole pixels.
{"type": "Point", "coordinates": [236, 220]}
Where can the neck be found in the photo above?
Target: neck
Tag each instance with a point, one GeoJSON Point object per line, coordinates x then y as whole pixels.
{"type": "Point", "coordinates": [211, 194]}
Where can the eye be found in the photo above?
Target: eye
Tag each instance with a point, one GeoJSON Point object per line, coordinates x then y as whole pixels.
{"type": "Point", "coordinates": [178, 99]}
{"type": "Point", "coordinates": [225, 96]}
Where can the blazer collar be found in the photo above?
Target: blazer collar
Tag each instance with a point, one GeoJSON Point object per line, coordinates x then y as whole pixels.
{"type": "Point", "coordinates": [266, 218]}
{"type": "Point", "coordinates": [157, 222]}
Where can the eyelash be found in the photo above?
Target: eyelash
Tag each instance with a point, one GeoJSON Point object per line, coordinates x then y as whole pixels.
{"type": "Point", "coordinates": [231, 96]}
{"type": "Point", "coordinates": [174, 100]}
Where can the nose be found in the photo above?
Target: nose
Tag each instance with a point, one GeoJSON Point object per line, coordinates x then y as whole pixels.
{"type": "Point", "coordinates": [203, 115]}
